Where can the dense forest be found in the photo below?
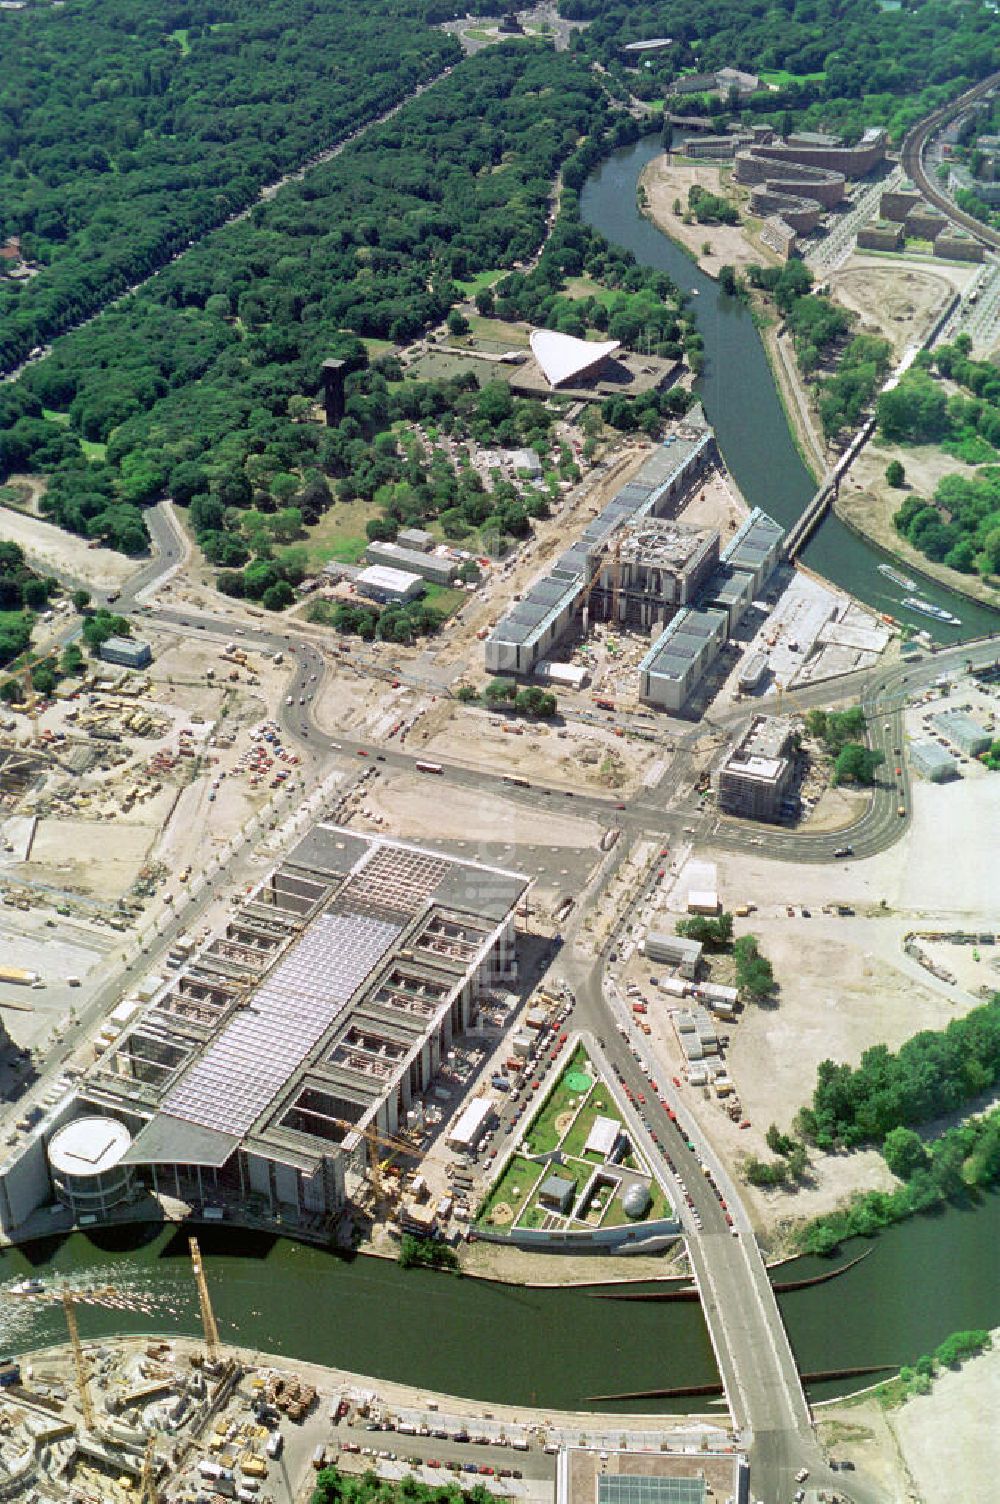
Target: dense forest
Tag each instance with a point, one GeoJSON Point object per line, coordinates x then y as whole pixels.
{"type": "Point", "coordinates": [829, 64]}
{"type": "Point", "coordinates": [206, 367]}
{"type": "Point", "coordinates": [124, 136]}
{"type": "Point", "coordinates": [960, 525]}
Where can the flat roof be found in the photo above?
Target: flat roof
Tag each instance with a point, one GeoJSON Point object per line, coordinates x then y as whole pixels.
{"type": "Point", "coordinates": [383, 577]}
{"type": "Point", "coordinates": [620, 1489]}
{"type": "Point", "coordinates": [88, 1146]}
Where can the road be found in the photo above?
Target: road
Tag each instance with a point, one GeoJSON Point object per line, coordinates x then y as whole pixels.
{"type": "Point", "coordinates": [752, 1348]}
{"type": "Point", "coordinates": [912, 158]}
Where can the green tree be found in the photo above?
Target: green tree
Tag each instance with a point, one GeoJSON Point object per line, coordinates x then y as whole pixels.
{"type": "Point", "coordinates": [856, 764]}
{"type": "Point", "coordinates": [904, 1152]}
{"type": "Point", "coordinates": [895, 474]}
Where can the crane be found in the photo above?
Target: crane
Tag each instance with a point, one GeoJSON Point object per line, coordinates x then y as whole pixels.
{"type": "Point", "coordinates": [86, 1404]}
{"type": "Point", "coordinates": [204, 1300]}
{"type": "Point", "coordinates": [148, 1484]}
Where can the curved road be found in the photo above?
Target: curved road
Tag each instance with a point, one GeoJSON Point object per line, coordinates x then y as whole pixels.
{"type": "Point", "coordinates": [752, 1349]}
{"type": "Point", "coordinates": [912, 157]}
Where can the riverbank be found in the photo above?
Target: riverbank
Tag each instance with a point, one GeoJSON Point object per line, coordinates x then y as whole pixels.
{"type": "Point", "coordinates": [934, 1448]}
{"type": "Point", "coordinates": [866, 504]}
{"type": "Point", "coordinates": [665, 183]}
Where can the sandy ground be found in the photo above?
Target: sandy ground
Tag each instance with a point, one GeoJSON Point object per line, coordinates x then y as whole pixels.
{"type": "Point", "coordinates": [844, 981]}
{"type": "Point", "coordinates": [898, 302]}
{"type": "Point", "coordinates": [51, 550]}
{"type": "Point", "coordinates": [867, 502]}
{"type": "Point", "coordinates": [573, 756]}
{"type": "Point", "coordinates": [667, 178]}
{"type": "Point", "coordinates": [404, 803]}
{"type": "Point", "coordinates": [802, 416]}
{"type": "Point", "coordinates": [949, 1439]}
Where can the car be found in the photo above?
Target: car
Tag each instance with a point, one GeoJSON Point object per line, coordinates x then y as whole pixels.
{"type": "Point", "coordinates": [676, 1080]}
{"type": "Point", "coordinates": [380, 757]}
{"type": "Point", "coordinates": [844, 851]}
{"type": "Point", "coordinates": [486, 1471]}
{"type": "Point", "coordinates": [433, 1462]}
{"type": "Point", "coordinates": [362, 752]}
{"type": "Point", "coordinates": [745, 1123]}
{"type": "Point", "coordinates": [621, 806]}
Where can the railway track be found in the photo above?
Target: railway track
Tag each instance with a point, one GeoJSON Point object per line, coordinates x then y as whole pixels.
{"type": "Point", "coordinates": [912, 157]}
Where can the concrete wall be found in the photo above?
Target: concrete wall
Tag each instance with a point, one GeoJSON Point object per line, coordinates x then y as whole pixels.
{"type": "Point", "coordinates": [601, 1240]}
{"type": "Point", "coordinates": [24, 1178]}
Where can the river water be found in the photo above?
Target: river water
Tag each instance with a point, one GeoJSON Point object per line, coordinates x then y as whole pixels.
{"type": "Point", "coordinates": [742, 403]}
{"type": "Point", "coordinates": [507, 1344]}
{"type": "Point", "coordinates": [556, 1347]}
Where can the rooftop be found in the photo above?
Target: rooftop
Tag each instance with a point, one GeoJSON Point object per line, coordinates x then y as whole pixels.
{"type": "Point", "coordinates": [562, 357]}
{"type": "Point", "coordinates": [657, 541]}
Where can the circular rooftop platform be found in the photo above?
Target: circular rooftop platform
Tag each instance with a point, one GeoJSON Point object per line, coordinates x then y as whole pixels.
{"type": "Point", "coordinates": [88, 1146]}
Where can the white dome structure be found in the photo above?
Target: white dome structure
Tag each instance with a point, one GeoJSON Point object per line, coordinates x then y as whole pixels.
{"type": "Point", "coordinates": [563, 359]}
{"type": "Point", "coordinates": [636, 1200]}
{"type": "Point", "coordinates": [85, 1159]}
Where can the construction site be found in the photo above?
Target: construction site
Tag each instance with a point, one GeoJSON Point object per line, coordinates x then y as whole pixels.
{"type": "Point", "coordinates": [139, 1421]}
{"type": "Point", "coordinates": [293, 1044]}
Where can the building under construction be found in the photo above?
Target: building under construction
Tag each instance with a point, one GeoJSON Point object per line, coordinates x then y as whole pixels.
{"type": "Point", "coordinates": [756, 774]}
{"type": "Point", "coordinates": [304, 1029]}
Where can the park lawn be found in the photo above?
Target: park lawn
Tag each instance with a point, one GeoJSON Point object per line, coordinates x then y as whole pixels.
{"type": "Point", "coordinates": [780, 77]}
{"type": "Point", "coordinates": [340, 533]}
{"type": "Point", "coordinates": [181, 36]}
{"type": "Point", "coordinates": [615, 1215]}
{"type": "Point", "coordinates": [499, 331]}
{"type": "Point", "coordinates": [90, 447]}
{"type": "Point", "coordinates": [471, 285]}
{"type": "Point", "coordinates": [520, 1173]}
{"type": "Point", "coordinates": [444, 598]}
{"type": "Point", "coordinates": [542, 1134]}
{"type": "Point", "coordinates": [578, 1134]}
{"type": "Point", "coordinates": [377, 347]}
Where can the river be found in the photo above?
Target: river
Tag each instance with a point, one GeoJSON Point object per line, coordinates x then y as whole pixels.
{"type": "Point", "coordinates": [921, 1281]}
{"type": "Point", "coordinates": [742, 403]}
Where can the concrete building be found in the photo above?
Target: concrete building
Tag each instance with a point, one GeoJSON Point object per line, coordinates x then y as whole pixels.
{"type": "Point", "coordinates": [320, 1010]}
{"type": "Point", "coordinates": [380, 583]}
{"type": "Point", "coordinates": [756, 548]}
{"type": "Point", "coordinates": [730, 590]}
{"type": "Point", "coordinates": [675, 950]}
{"type": "Point", "coordinates": [634, 52]}
{"type": "Point", "coordinates": [552, 608]}
{"type": "Point", "coordinates": [882, 235]}
{"type": "Point", "coordinates": [700, 1467]}
{"type": "Point", "coordinates": [753, 780]}
{"type": "Point", "coordinates": [128, 651]}
{"type": "Point", "coordinates": [925, 222]}
{"type": "Point", "coordinates": [960, 179]}
{"type": "Point", "coordinates": [897, 203]}
{"type": "Point", "coordinates": [604, 1137]}
{"type": "Point", "coordinates": [967, 734]}
{"type": "Point", "coordinates": [933, 762]}
{"type": "Point", "coordinates": [954, 244]}
{"type": "Point", "coordinates": [415, 537]}
{"type": "Point", "coordinates": [645, 571]}
{"type": "Point", "coordinates": [87, 1162]}
{"type": "Point", "coordinates": [432, 567]}
{"type": "Point", "coordinates": [471, 1124]}
{"type": "Point", "coordinates": [681, 656]}
{"type": "Point", "coordinates": [754, 671]}
{"type": "Point", "coordinates": [565, 360]}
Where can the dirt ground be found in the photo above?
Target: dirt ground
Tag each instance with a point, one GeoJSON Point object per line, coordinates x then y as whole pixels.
{"type": "Point", "coordinates": [667, 178]}
{"type": "Point", "coordinates": [867, 502]}
{"type": "Point", "coordinates": [834, 809]}
{"type": "Point", "coordinates": [898, 302]}
{"type": "Point", "coordinates": [573, 756]}
{"type": "Point", "coordinates": [844, 982]}
{"type": "Point", "coordinates": [518, 1267]}
{"type": "Point", "coordinates": [50, 550]}
{"type": "Point", "coordinates": [404, 804]}
{"type": "Point", "coordinates": [64, 853]}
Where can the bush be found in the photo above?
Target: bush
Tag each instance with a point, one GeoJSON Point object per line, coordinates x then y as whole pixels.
{"type": "Point", "coordinates": [895, 474]}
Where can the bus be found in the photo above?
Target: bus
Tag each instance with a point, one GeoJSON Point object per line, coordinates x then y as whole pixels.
{"type": "Point", "coordinates": [429, 767]}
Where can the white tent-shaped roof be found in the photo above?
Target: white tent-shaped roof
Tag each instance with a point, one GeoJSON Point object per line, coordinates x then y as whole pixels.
{"type": "Point", "coordinates": [564, 358]}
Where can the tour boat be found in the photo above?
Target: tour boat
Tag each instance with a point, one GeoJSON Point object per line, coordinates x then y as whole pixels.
{"type": "Point", "coordinates": [926, 608]}
{"type": "Point", "coordinates": [897, 578]}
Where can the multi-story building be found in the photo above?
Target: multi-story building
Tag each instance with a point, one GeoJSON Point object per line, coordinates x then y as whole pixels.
{"type": "Point", "coordinates": [756, 774]}
{"type": "Point", "coordinates": [314, 1018]}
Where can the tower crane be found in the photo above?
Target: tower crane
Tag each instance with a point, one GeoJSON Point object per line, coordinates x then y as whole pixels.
{"type": "Point", "coordinates": [148, 1483]}
{"type": "Point", "coordinates": [86, 1404]}
{"type": "Point", "coordinates": [208, 1322]}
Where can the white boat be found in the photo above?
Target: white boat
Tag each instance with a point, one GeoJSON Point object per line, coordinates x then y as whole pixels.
{"type": "Point", "coordinates": [897, 579]}
{"type": "Point", "coordinates": [27, 1287]}
{"type": "Point", "coordinates": [927, 608]}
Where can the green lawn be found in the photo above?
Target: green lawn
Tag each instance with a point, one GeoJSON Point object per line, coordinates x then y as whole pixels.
{"type": "Point", "coordinates": [521, 1174]}
{"type": "Point", "coordinates": [543, 1134]}
{"type": "Point", "coordinates": [92, 449]}
{"type": "Point", "coordinates": [377, 347]}
{"type": "Point", "coordinates": [443, 598]}
{"type": "Point", "coordinates": [780, 77]}
{"type": "Point", "coordinates": [340, 533]}
{"type": "Point", "coordinates": [533, 1215]}
{"type": "Point", "coordinates": [181, 36]}
{"type": "Point", "coordinates": [499, 332]}
{"type": "Point", "coordinates": [471, 285]}
{"type": "Point", "coordinates": [598, 1105]}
